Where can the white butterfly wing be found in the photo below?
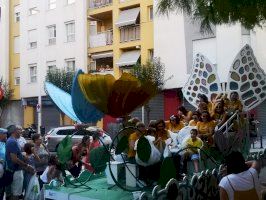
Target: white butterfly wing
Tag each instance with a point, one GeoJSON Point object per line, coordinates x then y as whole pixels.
{"type": "Point", "coordinates": [203, 80]}
{"type": "Point", "coordinates": [247, 79]}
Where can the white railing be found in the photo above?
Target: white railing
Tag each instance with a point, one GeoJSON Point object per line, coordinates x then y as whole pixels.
{"type": "Point", "coordinates": [227, 126]}
{"type": "Point", "coordinates": [101, 39]}
{"type": "Point", "coordinates": [129, 33]}
{"type": "Point", "coordinates": [99, 3]}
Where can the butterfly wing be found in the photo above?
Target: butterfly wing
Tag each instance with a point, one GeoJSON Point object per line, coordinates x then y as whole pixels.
{"type": "Point", "coordinates": [203, 80]}
{"type": "Point", "coordinates": [62, 100]}
{"type": "Point", "coordinates": [247, 79]}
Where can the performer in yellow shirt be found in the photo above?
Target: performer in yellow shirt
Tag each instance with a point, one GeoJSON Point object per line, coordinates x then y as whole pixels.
{"type": "Point", "coordinates": [194, 142]}
{"type": "Point", "coordinates": [234, 104]}
{"type": "Point", "coordinates": [195, 119]}
{"type": "Point", "coordinates": [132, 140]}
{"type": "Point", "coordinates": [206, 128]}
{"type": "Point", "coordinates": [174, 124]}
{"type": "Point", "coordinates": [184, 114]}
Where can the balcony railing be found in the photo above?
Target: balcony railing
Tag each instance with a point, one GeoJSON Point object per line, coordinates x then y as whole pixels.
{"type": "Point", "coordinates": [100, 69]}
{"type": "Point", "coordinates": [101, 39]}
{"type": "Point", "coordinates": [100, 3]}
{"type": "Point", "coordinates": [129, 33]}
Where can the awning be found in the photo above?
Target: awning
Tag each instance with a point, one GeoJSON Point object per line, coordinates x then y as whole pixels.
{"type": "Point", "coordinates": [102, 55]}
{"type": "Point", "coordinates": [128, 17]}
{"type": "Point", "coordinates": [129, 58]}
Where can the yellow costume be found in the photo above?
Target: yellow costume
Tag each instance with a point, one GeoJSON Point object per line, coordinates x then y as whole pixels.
{"type": "Point", "coordinates": [173, 127]}
{"type": "Point", "coordinates": [132, 138]}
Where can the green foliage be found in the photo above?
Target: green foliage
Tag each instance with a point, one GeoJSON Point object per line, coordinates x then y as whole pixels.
{"type": "Point", "coordinates": [152, 71]}
{"type": "Point", "coordinates": [122, 145]}
{"type": "Point", "coordinates": [64, 150]}
{"type": "Point", "coordinates": [248, 12]}
{"type": "Point", "coordinates": [61, 78]}
{"type": "Point", "coordinates": [167, 171]}
{"type": "Point", "coordinates": [7, 93]}
{"type": "Point", "coordinates": [98, 159]}
{"type": "Point", "coordinates": [144, 149]}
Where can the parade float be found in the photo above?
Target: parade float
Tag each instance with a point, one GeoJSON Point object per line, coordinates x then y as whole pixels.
{"type": "Point", "coordinates": [94, 96]}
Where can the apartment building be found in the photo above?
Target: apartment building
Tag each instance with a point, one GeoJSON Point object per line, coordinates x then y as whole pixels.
{"type": "Point", "coordinates": [4, 39]}
{"type": "Point", "coordinates": [10, 58]}
{"type": "Point", "coordinates": [120, 35]}
{"type": "Point", "coordinates": [38, 36]}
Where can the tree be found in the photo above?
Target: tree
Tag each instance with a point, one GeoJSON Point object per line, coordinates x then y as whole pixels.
{"type": "Point", "coordinates": [5, 96]}
{"type": "Point", "coordinates": [152, 71]}
{"type": "Point", "coordinates": [62, 79]}
{"type": "Point", "coordinates": [248, 12]}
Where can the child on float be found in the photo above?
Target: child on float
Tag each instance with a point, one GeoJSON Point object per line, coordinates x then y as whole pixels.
{"type": "Point", "coordinates": [133, 137]}
{"type": "Point", "coordinates": [206, 128]}
{"type": "Point", "coordinates": [174, 124]}
{"type": "Point", "coordinates": [234, 104]}
{"type": "Point", "coordinates": [218, 113]}
{"type": "Point", "coordinates": [195, 119]}
{"type": "Point", "coordinates": [193, 144]}
{"type": "Point", "coordinates": [161, 135]}
{"type": "Point", "coordinates": [184, 114]}
{"type": "Point", "coordinates": [203, 102]}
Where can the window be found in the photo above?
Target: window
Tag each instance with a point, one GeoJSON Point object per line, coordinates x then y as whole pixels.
{"type": "Point", "coordinates": [33, 11]}
{"type": "Point", "coordinates": [51, 34]}
{"type": "Point", "coordinates": [150, 13]}
{"type": "Point", "coordinates": [33, 73]}
{"type": "Point", "coordinates": [17, 13]}
{"type": "Point", "coordinates": [70, 64]}
{"type": "Point", "coordinates": [70, 31]}
{"type": "Point", "coordinates": [32, 38]}
{"type": "Point", "coordinates": [51, 4]}
{"type": "Point", "coordinates": [151, 54]}
{"type": "Point", "coordinates": [51, 65]}
{"type": "Point", "coordinates": [17, 76]}
{"type": "Point", "coordinates": [16, 44]}
{"type": "Point", "coordinates": [70, 1]}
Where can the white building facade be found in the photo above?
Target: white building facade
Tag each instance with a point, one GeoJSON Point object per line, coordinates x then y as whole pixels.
{"type": "Point", "coordinates": [178, 39]}
{"type": "Point", "coordinates": [4, 39]}
{"type": "Point", "coordinates": [53, 33]}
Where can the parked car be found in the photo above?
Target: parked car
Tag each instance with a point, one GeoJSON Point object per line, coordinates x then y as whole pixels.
{"type": "Point", "coordinates": [56, 135]}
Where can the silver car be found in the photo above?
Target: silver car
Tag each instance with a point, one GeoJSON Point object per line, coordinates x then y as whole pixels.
{"type": "Point", "coordinates": [56, 135]}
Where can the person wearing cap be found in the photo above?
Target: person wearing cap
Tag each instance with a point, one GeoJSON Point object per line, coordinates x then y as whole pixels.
{"type": "Point", "coordinates": [3, 136]}
{"type": "Point", "coordinates": [15, 163]}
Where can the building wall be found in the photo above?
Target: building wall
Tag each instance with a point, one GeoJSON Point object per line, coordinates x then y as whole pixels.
{"type": "Point", "coordinates": [170, 46]}
{"type": "Point", "coordinates": [44, 52]}
{"type": "Point", "coordinates": [14, 58]}
{"type": "Point", "coordinates": [4, 39]}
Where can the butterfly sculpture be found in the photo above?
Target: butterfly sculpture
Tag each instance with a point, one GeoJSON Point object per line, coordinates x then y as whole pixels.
{"type": "Point", "coordinates": [245, 77]}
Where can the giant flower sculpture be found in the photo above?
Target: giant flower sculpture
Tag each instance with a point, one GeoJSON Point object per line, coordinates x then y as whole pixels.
{"type": "Point", "coordinates": [116, 97]}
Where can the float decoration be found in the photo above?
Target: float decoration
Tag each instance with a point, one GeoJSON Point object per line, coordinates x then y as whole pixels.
{"type": "Point", "coordinates": [62, 100]}
{"type": "Point", "coordinates": [85, 111]}
{"type": "Point", "coordinates": [203, 80]}
{"type": "Point", "coordinates": [116, 97]}
{"type": "Point", "coordinates": [247, 79]}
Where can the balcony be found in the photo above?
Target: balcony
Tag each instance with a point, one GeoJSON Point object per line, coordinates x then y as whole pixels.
{"type": "Point", "coordinates": [101, 63]}
{"type": "Point", "coordinates": [100, 3]}
{"type": "Point", "coordinates": [101, 39]}
{"type": "Point", "coordinates": [129, 33]}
